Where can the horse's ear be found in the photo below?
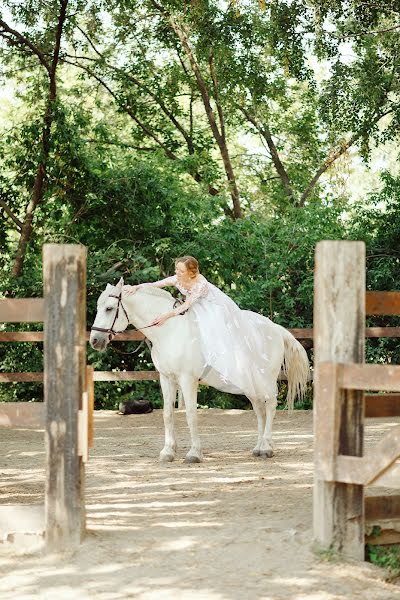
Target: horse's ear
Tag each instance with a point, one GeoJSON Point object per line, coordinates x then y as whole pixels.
{"type": "Point", "coordinates": [109, 287]}
{"type": "Point", "coordinates": [120, 283]}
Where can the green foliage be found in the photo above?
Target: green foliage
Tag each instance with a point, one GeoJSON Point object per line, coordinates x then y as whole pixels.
{"type": "Point", "coordinates": [387, 557]}
{"type": "Point", "coordinates": [133, 170]}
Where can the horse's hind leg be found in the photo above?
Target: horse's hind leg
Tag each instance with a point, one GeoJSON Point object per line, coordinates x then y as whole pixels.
{"type": "Point", "coordinates": [168, 387]}
{"type": "Point", "coordinates": [259, 409]}
{"type": "Point", "coordinates": [266, 448]}
{"type": "Point", "coordinates": [189, 387]}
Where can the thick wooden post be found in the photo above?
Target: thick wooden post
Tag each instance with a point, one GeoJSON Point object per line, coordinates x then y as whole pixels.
{"type": "Point", "coordinates": [339, 321]}
{"type": "Point", "coordinates": [64, 280]}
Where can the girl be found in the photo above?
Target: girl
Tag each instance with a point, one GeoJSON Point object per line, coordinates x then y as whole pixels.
{"type": "Point", "coordinates": [232, 340]}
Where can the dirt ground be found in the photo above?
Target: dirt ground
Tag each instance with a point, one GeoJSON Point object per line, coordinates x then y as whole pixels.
{"type": "Point", "coordinates": [234, 527]}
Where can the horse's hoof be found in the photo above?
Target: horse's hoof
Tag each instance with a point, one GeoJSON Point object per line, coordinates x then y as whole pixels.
{"type": "Point", "coordinates": [192, 459]}
{"type": "Point", "coordinates": [267, 453]}
{"type": "Point", "coordinates": [256, 452]}
{"type": "Point", "coordinates": [167, 457]}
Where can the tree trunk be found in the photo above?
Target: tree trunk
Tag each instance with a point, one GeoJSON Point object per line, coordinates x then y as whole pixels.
{"type": "Point", "coordinates": [218, 135]}
{"type": "Point", "coordinates": [38, 187]}
{"type": "Point", "coordinates": [39, 184]}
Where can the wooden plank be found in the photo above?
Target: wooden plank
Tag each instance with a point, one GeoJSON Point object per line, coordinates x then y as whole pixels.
{"type": "Point", "coordinates": [350, 470]}
{"type": "Point", "coordinates": [134, 336]}
{"type": "Point", "coordinates": [38, 336]}
{"type": "Point", "coordinates": [382, 332]}
{"type": "Point", "coordinates": [382, 405]}
{"type": "Point", "coordinates": [382, 507]}
{"type": "Point", "coordinates": [302, 334]}
{"type": "Point", "coordinates": [382, 303]}
{"type": "Point", "coordinates": [326, 439]}
{"type": "Point", "coordinates": [97, 376]}
{"type": "Point", "coordinates": [365, 470]}
{"type": "Point", "coordinates": [379, 378]}
{"type": "Point", "coordinates": [64, 278]}
{"type": "Point", "coordinates": [21, 336]}
{"type": "Point", "coordinates": [27, 377]}
{"type": "Point", "coordinates": [386, 537]}
{"type": "Point", "coordinates": [90, 392]}
{"type": "Point", "coordinates": [83, 428]}
{"type": "Point", "coordinates": [389, 478]}
{"type": "Point", "coordinates": [22, 415]}
{"type": "Point", "coordinates": [21, 310]}
{"type": "Point", "coordinates": [126, 375]}
{"type": "Point", "coordinates": [339, 328]}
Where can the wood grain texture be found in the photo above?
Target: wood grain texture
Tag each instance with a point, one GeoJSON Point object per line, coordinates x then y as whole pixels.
{"type": "Point", "coordinates": [28, 376]}
{"type": "Point", "coordinates": [381, 507]}
{"type": "Point", "coordinates": [90, 392]}
{"type": "Point", "coordinates": [384, 378]}
{"type": "Point", "coordinates": [126, 375]}
{"type": "Point", "coordinates": [382, 405]}
{"type": "Point", "coordinates": [365, 470]}
{"type": "Point", "coordinates": [386, 537]}
{"type": "Point", "coordinates": [382, 303]}
{"type": "Point", "coordinates": [22, 415]}
{"type": "Point", "coordinates": [64, 274]}
{"type": "Point", "coordinates": [339, 327]}
{"type": "Point", "coordinates": [21, 310]}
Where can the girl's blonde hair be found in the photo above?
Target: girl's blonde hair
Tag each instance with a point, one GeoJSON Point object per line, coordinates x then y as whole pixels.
{"type": "Point", "coordinates": [190, 263]}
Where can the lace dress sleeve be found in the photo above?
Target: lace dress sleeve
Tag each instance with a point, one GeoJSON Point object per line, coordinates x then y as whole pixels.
{"type": "Point", "coordinates": [162, 282]}
{"type": "Point", "coordinates": [198, 291]}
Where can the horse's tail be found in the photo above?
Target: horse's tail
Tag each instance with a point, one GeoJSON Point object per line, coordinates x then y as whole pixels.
{"type": "Point", "coordinates": [296, 368]}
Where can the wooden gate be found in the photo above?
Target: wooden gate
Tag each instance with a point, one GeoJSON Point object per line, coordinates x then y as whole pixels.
{"type": "Point", "coordinates": [342, 469]}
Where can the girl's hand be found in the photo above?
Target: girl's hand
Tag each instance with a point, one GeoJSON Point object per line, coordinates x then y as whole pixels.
{"type": "Point", "coordinates": [160, 320]}
{"type": "Point", "coordinates": [130, 289]}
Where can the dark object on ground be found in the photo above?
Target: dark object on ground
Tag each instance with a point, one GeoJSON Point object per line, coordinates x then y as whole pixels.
{"type": "Point", "coordinates": [138, 406]}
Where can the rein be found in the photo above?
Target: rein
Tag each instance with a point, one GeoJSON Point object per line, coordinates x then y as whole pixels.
{"type": "Point", "coordinates": [111, 332]}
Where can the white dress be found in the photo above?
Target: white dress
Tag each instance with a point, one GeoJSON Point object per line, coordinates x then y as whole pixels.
{"type": "Point", "coordinates": [234, 359]}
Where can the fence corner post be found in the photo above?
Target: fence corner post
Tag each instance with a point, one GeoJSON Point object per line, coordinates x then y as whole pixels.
{"type": "Point", "coordinates": [339, 330]}
{"type": "Point", "coordinates": [64, 282]}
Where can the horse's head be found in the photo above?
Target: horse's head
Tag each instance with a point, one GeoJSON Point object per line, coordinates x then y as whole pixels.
{"type": "Point", "coordinates": [111, 317]}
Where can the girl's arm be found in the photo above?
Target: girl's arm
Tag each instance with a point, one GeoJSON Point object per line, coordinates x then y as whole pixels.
{"type": "Point", "coordinates": [131, 289]}
{"type": "Point", "coordinates": [199, 290]}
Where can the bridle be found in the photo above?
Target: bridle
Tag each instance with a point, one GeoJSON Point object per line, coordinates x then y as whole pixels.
{"type": "Point", "coordinates": [111, 332]}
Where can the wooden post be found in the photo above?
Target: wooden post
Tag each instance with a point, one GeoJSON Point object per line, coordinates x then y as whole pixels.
{"type": "Point", "coordinates": [339, 322]}
{"type": "Point", "coordinates": [90, 393]}
{"type": "Point", "coordinates": [64, 281]}
{"type": "Point", "coordinates": [181, 402]}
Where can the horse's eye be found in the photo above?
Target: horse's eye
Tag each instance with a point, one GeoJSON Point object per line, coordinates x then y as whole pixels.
{"type": "Point", "coordinates": [108, 308]}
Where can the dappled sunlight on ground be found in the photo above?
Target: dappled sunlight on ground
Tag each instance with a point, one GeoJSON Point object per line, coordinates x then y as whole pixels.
{"type": "Point", "coordinates": [234, 527]}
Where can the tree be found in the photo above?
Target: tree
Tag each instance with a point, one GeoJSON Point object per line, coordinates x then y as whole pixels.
{"type": "Point", "coordinates": [44, 46]}
{"type": "Point", "coordinates": [249, 71]}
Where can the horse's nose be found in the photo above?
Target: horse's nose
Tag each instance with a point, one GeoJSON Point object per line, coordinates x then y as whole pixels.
{"type": "Point", "coordinates": [94, 341]}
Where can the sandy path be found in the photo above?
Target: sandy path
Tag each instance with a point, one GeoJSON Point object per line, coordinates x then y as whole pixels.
{"type": "Point", "coordinates": [233, 527]}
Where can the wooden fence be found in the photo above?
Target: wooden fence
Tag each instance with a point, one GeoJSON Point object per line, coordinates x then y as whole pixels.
{"type": "Point", "coordinates": [68, 392]}
{"type": "Point", "coordinates": [342, 469]}
{"type": "Point", "coordinates": [305, 335]}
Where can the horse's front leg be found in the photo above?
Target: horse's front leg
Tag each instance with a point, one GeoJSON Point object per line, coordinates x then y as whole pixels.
{"type": "Point", "coordinates": [168, 387]}
{"type": "Point", "coordinates": [189, 387]}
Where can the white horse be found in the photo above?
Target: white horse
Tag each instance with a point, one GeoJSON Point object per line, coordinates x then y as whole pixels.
{"type": "Point", "coordinates": [180, 364]}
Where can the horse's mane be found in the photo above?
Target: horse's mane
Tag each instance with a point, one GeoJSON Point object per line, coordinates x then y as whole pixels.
{"type": "Point", "coordinates": [155, 291]}
{"type": "Point", "coordinates": [147, 289]}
